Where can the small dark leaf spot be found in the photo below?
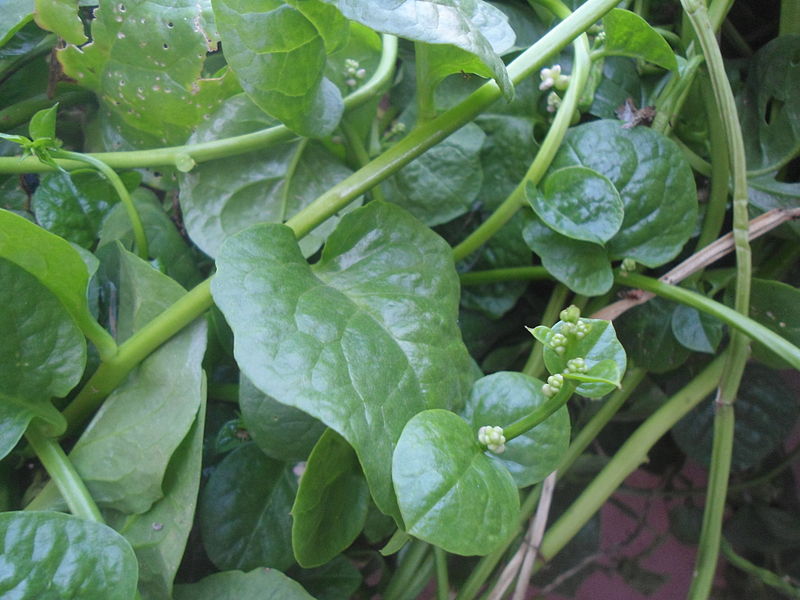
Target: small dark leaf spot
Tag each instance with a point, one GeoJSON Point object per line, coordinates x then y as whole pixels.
{"type": "Point", "coordinates": [170, 25]}
{"type": "Point", "coordinates": [121, 8]}
{"type": "Point", "coordinates": [166, 46]}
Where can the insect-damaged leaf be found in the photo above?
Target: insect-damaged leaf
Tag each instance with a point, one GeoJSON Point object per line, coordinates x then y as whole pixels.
{"type": "Point", "coordinates": [363, 340]}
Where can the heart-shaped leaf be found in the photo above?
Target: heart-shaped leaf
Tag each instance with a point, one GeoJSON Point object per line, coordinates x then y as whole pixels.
{"type": "Point", "coordinates": [578, 203]}
{"type": "Point", "coordinates": [503, 398]}
{"type": "Point", "coordinates": [363, 340]}
{"type": "Point", "coordinates": [653, 179]}
{"type": "Point", "coordinates": [696, 330]}
{"type": "Point", "coordinates": [53, 555]}
{"type": "Point", "coordinates": [278, 51]}
{"type": "Point", "coordinates": [628, 34]}
{"type": "Point", "coordinates": [331, 504]}
{"type": "Point", "coordinates": [450, 493]}
{"type": "Point", "coordinates": [244, 511]}
{"type": "Point", "coordinates": [598, 345]}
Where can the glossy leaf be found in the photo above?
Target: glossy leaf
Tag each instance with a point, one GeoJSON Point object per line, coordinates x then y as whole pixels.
{"type": "Point", "coordinates": [620, 81]}
{"type": "Point", "coordinates": [331, 504]}
{"type": "Point", "coordinates": [443, 183]}
{"type": "Point", "coordinates": [14, 14]}
{"type": "Point", "coordinates": [774, 304]}
{"type": "Point", "coordinates": [505, 397]}
{"type": "Point", "coordinates": [628, 34]}
{"type": "Point", "coordinates": [244, 511]}
{"type": "Point", "coordinates": [222, 197]}
{"type": "Point", "coordinates": [123, 454]}
{"type": "Point", "coordinates": [769, 110]}
{"type": "Point", "coordinates": [598, 345]}
{"type": "Point", "coordinates": [450, 493]}
{"type": "Point", "coordinates": [766, 412]}
{"type": "Point", "coordinates": [145, 62]}
{"type": "Point", "coordinates": [363, 340]}
{"type": "Point", "coordinates": [578, 203]}
{"type": "Point", "coordinates": [73, 206]}
{"type": "Point", "coordinates": [653, 179]}
{"type": "Point", "coordinates": [282, 432]}
{"type": "Point", "coordinates": [278, 51]}
{"type": "Point", "coordinates": [53, 555]}
{"type": "Point", "coordinates": [583, 267]}
{"type": "Point", "coordinates": [171, 253]}
{"type": "Point", "coordinates": [646, 333]}
{"type": "Point", "coordinates": [696, 330]}
{"type": "Point", "coordinates": [471, 25]}
{"type": "Point", "coordinates": [42, 355]}
{"type": "Point", "coordinates": [51, 260]}
{"type": "Point", "coordinates": [159, 536]}
{"type": "Point", "coordinates": [264, 584]}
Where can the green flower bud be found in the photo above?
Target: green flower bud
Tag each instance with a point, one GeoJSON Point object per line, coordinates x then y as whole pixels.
{"type": "Point", "coordinates": [571, 314]}
{"type": "Point", "coordinates": [576, 365]}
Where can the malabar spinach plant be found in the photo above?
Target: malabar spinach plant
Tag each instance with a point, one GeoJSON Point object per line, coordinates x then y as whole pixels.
{"type": "Point", "coordinates": [332, 298]}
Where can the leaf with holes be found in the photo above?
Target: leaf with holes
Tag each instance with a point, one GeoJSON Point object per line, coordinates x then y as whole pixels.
{"type": "Point", "coordinates": [363, 340]}
{"type": "Point", "coordinates": [450, 493]}
{"type": "Point", "coordinates": [145, 63]}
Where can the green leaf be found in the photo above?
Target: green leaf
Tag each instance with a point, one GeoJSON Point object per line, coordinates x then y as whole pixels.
{"type": "Point", "coordinates": [337, 580]}
{"type": "Point", "coordinates": [628, 34]}
{"type": "Point", "coordinates": [264, 584]}
{"type": "Point", "coordinates": [145, 62]}
{"type": "Point", "coordinates": [222, 197]}
{"type": "Point", "coordinates": [774, 305]}
{"type": "Point", "coordinates": [765, 193]}
{"type": "Point", "coordinates": [578, 203]}
{"type": "Point", "coordinates": [123, 454]}
{"type": "Point", "coordinates": [450, 493]}
{"type": "Point", "coordinates": [597, 346]}
{"type": "Point", "coordinates": [620, 80]}
{"type": "Point", "coordinates": [165, 244]}
{"type": "Point", "coordinates": [282, 432]}
{"type": "Point", "coordinates": [43, 123]}
{"type": "Point", "coordinates": [766, 412]}
{"type": "Point", "coordinates": [363, 340]}
{"type": "Point", "coordinates": [653, 179]}
{"type": "Point", "coordinates": [73, 206]}
{"type": "Point", "coordinates": [244, 511]}
{"type": "Point", "coordinates": [443, 183]}
{"type": "Point", "coordinates": [505, 397]}
{"type": "Point", "coordinates": [331, 504]}
{"type": "Point", "coordinates": [42, 355]}
{"type": "Point", "coordinates": [159, 536]}
{"type": "Point", "coordinates": [14, 15]}
{"type": "Point", "coordinates": [474, 26]}
{"type": "Point", "coordinates": [695, 330]}
{"type": "Point", "coordinates": [50, 259]}
{"type": "Point", "coordinates": [278, 51]}
{"type": "Point", "coordinates": [768, 108]}
{"type": "Point", "coordinates": [583, 267]}
{"type": "Point", "coordinates": [60, 17]}
{"type": "Point", "coordinates": [646, 332]}
{"type": "Point", "coordinates": [53, 555]}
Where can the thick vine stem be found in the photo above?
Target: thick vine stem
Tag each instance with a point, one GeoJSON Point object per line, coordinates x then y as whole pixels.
{"type": "Point", "coordinates": [711, 532]}
{"type": "Point", "coordinates": [63, 473]}
{"type": "Point", "coordinates": [130, 208]}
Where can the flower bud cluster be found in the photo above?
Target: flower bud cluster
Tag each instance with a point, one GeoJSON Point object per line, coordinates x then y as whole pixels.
{"type": "Point", "coordinates": [576, 365]}
{"type": "Point", "coordinates": [492, 437]}
{"type": "Point", "coordinates": [553, 102]}
{"type": "Point", "coordinates": [553, 385]}
{"type": "Point", "coordinates": [353, 72]}
{"type": "Point", "coordinates": [558, 342]}
{"type": "Point", "coordinates": [553, 78]}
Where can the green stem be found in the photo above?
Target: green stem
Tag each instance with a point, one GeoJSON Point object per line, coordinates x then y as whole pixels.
{"type": "Point", "coordinates": [21, 112]}
{"type": "Point", "coordinates": [764, 575]}
{"type": "Point", "coordinates": [442, 579]}
{"type": "Point", "coordinates": [410, 563]}
{"type": "Point", "coordinates": [628, 458]}
{"type": "Point", "coordinates": [432, 132]}
{"type": "Point", "coordinates": [548, 149]}
{"type": "Point", "coordinates": [63, 473]}
{"type": "Point", "coordinates": [507, 274]}
{"type": "Point", "coordinates": [711, 532]}
{"type": "Point", "coordinates": [122, 192]}
{"type": "Point", "coordinates": [426, 109]}
{"type": "Point", "coordinates": [541, 413]}
{"type": "Point", "coordinates": [535, 364]}
{"type": "Point", "coordinates": [360, 153]}
{"type": "Point", "coordinates": [240, 144]}
{"type": "Point", "coordinates": [112, 372]}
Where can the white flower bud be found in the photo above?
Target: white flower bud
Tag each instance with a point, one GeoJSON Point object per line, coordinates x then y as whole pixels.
{"type": "Point", "coordinates": [492, 437]}
{"type": "Point", "coordinates": [553, 102]}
